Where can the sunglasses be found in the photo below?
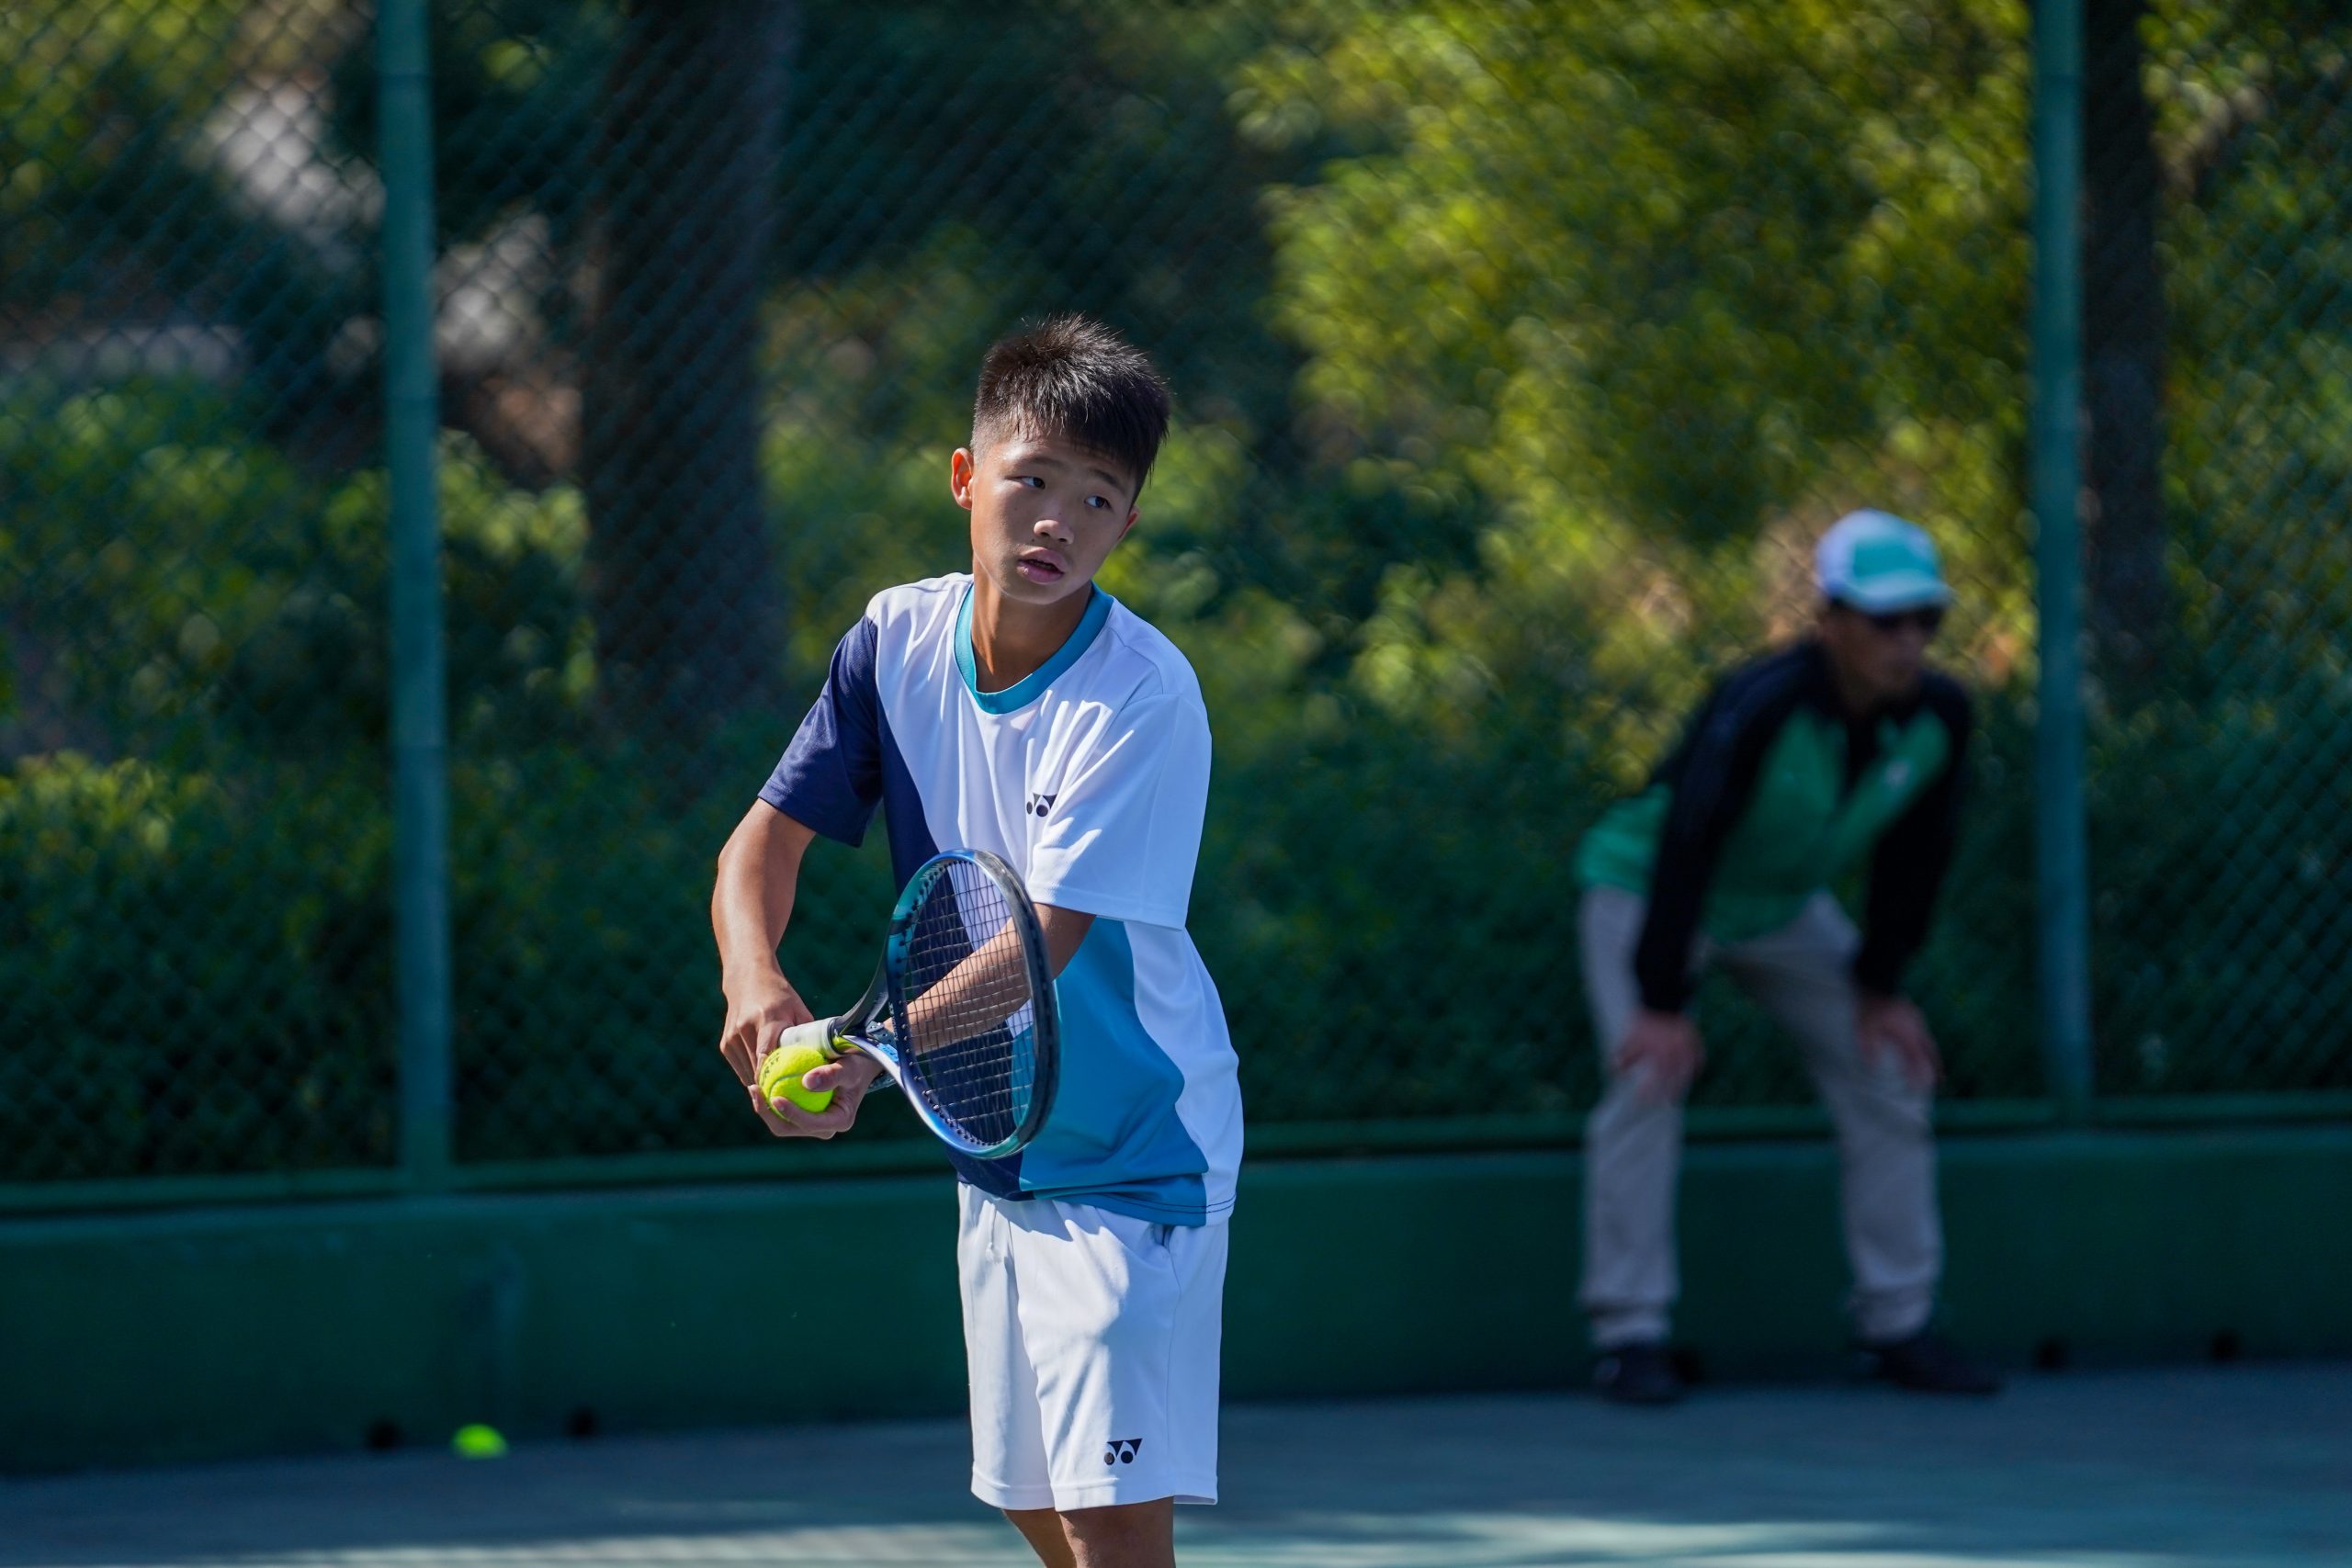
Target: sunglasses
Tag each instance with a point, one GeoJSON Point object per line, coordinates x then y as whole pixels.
{"type": "Point", "coordinates": [1929, 619]}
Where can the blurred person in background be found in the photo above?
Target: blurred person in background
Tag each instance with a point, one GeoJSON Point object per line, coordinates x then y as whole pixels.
{"type": "Point", "coordinates": [1794, 770]}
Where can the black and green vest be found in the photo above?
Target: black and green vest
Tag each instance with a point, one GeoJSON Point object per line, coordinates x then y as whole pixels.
{"type": "Point", "coordinates": [1773, 794]}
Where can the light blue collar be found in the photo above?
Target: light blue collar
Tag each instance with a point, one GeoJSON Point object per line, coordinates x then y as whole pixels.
{"type": "Point", "coordinates": [1031, 686]}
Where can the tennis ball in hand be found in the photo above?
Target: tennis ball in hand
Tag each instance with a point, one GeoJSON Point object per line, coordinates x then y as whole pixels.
{"type": "Point", "coordinates": [780, 1077]}
{"type": "Point", "coordinates": [478, 1442]}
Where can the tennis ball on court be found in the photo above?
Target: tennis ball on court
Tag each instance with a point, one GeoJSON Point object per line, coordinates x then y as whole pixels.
{"type": "Point", "coordinates": [478, 1441]}
{"type": "Point", "coordinates": [780, 1077]}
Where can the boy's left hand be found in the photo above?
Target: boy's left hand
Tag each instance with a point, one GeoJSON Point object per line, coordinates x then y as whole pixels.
{"type": "Point", "coordinates": [849, 1079]}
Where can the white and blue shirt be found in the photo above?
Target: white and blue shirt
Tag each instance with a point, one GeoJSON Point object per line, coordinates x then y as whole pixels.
{"type": "Point", "coordinates": [1089, 777]}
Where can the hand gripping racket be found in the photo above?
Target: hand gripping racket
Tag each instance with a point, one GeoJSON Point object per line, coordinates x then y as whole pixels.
{"type": "Point", "coordinates": [961, 1011]}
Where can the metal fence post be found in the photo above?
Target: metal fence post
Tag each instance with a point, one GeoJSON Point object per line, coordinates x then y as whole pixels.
{"type": "Point", "coordinates": [419, 724]}
{"type": "Point", "coordinates": [2061, 857]}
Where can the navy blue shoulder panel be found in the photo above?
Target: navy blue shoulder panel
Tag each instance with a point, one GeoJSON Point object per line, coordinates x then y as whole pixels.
{"type": "Point", "coordinates": [830, 778]}
{"type": "Point", "coordinates": [844, 763]}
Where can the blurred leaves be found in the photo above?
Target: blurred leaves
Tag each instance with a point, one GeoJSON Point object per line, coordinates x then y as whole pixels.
{"type": "Point", "coordinates": [1519, 353]}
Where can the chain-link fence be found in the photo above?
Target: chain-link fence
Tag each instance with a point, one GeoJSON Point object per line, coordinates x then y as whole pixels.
{"type": "Point", "coordinates": [1520, 352]}
{"type": "Point", "coordinates": [2219, 389]}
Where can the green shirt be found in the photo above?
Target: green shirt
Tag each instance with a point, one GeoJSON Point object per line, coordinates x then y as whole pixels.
{"type": "Point", "coordinates": [1774, 793]}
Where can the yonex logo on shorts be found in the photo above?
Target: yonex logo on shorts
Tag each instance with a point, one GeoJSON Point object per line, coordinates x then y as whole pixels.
{"type": "Point", "coordinates": [1121, 1450]}
{"type": "Point", "coordinates": [1040, 804]}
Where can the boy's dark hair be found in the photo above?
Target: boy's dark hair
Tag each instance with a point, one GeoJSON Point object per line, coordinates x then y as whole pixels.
{"type": "Point", "coordinates": [1076, 380]}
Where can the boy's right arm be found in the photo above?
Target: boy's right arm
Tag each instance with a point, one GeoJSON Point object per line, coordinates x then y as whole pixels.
{"type": "Point", "coordinates": [759, 871]}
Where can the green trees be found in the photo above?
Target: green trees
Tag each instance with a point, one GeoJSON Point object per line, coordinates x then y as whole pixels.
{"type": "Point", "coordinates": [1619, 289]}
{"type": "Point", "coordinates": [1520, 349]}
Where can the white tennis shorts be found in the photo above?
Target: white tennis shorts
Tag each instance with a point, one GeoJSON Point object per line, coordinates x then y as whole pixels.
{"type": "Point", "coordinates": [1093, 1341]}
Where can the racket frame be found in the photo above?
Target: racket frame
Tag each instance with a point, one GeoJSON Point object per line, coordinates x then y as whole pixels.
{"type": "Point", "coordinates": [863, 1028]}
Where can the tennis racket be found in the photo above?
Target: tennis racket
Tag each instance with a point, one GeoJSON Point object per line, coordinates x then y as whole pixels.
{"type": "Point", "coordinates": [961, 1012]}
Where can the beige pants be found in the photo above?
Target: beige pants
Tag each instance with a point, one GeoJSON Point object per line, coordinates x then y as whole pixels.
{"type": "Point", "coordinates": [1633, 1146]}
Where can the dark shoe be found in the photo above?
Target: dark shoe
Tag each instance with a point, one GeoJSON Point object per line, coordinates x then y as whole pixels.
{"type": "Point", "coordinates": [1637, 1374]}
{"type": "Point", "coordinates": [1929, 1363]}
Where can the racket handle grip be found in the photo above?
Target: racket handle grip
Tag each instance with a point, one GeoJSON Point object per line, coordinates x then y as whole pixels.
{"type": "Point", "coordinates": [816, 1031]}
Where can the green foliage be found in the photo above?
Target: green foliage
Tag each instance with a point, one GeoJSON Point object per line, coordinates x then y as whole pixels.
{"type": "Point", "coordinates": [183, 575]}
{"type": "Point", "coordinates": [182, 992]}
{"type": "Point", "coordinates": [1592, 244]}
{"type": "Point", "coordinates": [146, 210]}
{"type": "Point", "coordinates": [1520, 350]}
{"type": "Point", "coordinates": [94, 96]}
{"type": "Point", "coordinates": [2223, 936]}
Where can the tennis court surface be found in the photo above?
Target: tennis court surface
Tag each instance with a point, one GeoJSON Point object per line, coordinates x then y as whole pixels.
{"type": "Point", "coordinates": [2158, 1468]}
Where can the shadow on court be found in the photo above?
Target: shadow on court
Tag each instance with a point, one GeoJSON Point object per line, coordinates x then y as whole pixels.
{"type": "Point", "coordinates": [2173, 1469]}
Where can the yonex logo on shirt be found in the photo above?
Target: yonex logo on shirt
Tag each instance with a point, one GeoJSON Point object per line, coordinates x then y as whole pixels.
{"type": "Point", "coordinates": [899, 729]}
{"type": "Point", "coordinates": [1121, 1450]}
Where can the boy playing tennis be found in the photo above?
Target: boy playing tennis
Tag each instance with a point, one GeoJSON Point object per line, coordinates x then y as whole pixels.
{"type": "Point", "coordinates": [1020, 709]}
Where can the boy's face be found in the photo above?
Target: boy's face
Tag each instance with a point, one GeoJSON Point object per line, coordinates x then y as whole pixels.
{"type": "Point", "coordinates": [1046, 513]}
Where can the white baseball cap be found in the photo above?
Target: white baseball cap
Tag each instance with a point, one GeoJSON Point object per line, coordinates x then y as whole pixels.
{"type": "Point", "coordinates": [1878, 563]}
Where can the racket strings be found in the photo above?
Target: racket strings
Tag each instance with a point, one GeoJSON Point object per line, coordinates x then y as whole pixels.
{"type": "Point", "coordinates": [967, 1005]}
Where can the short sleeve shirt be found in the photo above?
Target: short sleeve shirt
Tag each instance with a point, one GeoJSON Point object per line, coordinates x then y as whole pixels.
{"type": "Point", "coordinates": [1091, 778]}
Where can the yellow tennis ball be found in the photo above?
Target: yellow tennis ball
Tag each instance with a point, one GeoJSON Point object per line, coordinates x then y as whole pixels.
{"type": "Point", "coordinates": [478, 1442]}
{"type": "Point", "coordinates": [780, 1077]}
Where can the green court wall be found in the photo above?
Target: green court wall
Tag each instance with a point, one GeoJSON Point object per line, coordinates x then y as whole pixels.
{"type": "Point", "coordinates": [138, 1338]}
